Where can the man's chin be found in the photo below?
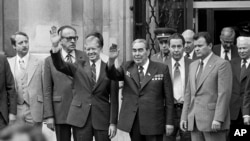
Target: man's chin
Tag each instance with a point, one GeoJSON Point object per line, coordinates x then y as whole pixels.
{"type": "Point", "coordinates": [137, 62]}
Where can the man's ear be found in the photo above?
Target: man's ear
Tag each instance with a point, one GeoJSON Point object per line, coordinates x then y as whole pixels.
{"type": "Point", "coordinates": [148, 52]}
{"type": "Point", "coordinates": [210, 45]}
{"type": "Point", "coordinates": [14, 47]}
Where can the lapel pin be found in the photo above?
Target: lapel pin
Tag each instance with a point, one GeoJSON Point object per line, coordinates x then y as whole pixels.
{"type": "Point", "coordinates": [149, 74]}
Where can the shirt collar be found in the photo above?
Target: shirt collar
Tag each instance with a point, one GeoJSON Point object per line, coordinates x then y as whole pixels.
{"type": "Point", "coordinates": [25, 58]}
{"type": "Point", "coordinates": [98, 62]}
{"type": "Point", "coordinates": [247, 63]}
{"type": "Point", "coordinates": [64, 53]}
{"type": "Point", "coordinates": [206, 59]}
{"type": "Point", "coordinates": [181, 62]}
{"type": "Point", "coordinates": [145, 66]}
{"type": "Point", "coordinates": [223, 50]}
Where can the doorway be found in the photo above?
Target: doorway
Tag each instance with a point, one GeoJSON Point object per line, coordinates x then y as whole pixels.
{"type": "Point", "coordinates": [212, 16]}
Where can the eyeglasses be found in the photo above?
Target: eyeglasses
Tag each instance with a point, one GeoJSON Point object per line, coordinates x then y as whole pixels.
{"type": "Point", "coordinates": [70, 38]}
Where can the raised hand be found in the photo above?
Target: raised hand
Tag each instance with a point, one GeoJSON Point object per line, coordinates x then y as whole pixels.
{"type": "Point", "coordinates": [113, 52]}
{"type": "Point", "coordinates": [54, 36]}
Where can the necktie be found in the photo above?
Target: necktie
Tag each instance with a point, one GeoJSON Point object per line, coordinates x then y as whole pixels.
{"type": "Point", "coordinates": [93, 73]}
{"type": "Point", "coordinates": [165, 57]}
{"type": "Point", "coordinates": [177, 82]}
{"type": "Point", "coordinates": [141, 74]}
{"type": "Point", "coordinates": [243, 68]}
{"type": "Point", "coordinates": [22, 65]}
{"type": "Point", "coordinates": [187, 55]}
{"type": "Point", "coordinates": [226, 54]}
{"type": "Point", "coordinates": [199, 73]}
{"type": "Point", "coordinates": [69, 58]}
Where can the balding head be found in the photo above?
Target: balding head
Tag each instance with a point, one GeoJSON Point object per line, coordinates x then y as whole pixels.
{"type": "Point", "coordinates": [189, 41]}
{"type": "Point", "coordinates": [243, 45]}
{"type": "Point", "coordinates": [227, 37]}
{"type": "Point", "coordinates": [227, 32]}
{"type": "Point", "coordinates": [188, 33]}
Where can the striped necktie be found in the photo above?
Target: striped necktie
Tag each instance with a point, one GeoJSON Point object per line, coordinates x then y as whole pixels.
{"type": "Point", "coordinates": [93, 72]}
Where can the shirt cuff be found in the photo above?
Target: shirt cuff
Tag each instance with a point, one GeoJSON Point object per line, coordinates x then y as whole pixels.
{"type": "Point", "coordinates": [245, 116]}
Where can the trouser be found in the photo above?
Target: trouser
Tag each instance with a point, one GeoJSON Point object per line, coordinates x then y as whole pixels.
{"type": "Point", "coordinates": [135, 134]}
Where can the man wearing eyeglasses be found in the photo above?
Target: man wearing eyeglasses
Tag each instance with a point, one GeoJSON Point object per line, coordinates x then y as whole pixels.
{"type": "Point", "coordinates": [162, 35]}
{"type": "Point", "coordinates": [226, 50]}
{"type": "Point", "coordinates": [59, 88]}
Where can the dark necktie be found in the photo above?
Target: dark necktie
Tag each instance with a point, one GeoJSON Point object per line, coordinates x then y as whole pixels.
{"type": "Point", "coordinates": [177, 82]}
{"type": "Point", "coordinates": [226, 54]}
{"type": "Point", "coordinates": [93, 73]}
{"type": "Point", "coordinates": [199, 73]}
{"type": "Point", "coordinates": [187, 55]}
{"type": "Point", "coordinates": [243, 68]}
{"type": "Point", "coordinates": [69, 58]}
{"type": "Point", "coordinates": [141, 74]}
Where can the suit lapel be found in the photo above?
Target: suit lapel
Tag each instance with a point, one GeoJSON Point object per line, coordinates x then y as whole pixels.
{"type": "Point", "coordinates": [79, 56]}
{"type": "Point", "coordinates": [134, 73]}
{"type": "Point", "coordinates": [31, 67]}
{"type": "Point", "coordinates": [169, 63]}
{"type": "Point", "coordinates": [87, 69]}
{"type": "Point", "coordinates": [246, 72]}
{"type": "Point", "coordinates": [237, 68]}
{"type": "Point", "coordinates": [12, 63]}
{"type": "Point", "coordinates": [101, 75]}
{"type": "Point", "coordinates": [192, 76]}
{"type": "Point", "coordinates": [186, 61]}
{"type": "Point", "coordinates": [208, 68]}
{"type": "Point", "coordinates": [149, 74]}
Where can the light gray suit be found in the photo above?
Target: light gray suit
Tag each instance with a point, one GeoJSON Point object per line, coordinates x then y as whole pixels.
{"type": "Point", "coordinates": [34, 86]}
{"type": "Point", "coordinates": [210, 99]}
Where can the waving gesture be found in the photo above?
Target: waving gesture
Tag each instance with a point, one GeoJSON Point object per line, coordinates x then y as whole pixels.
{"type": "Point", "coordinates": [55, 38]}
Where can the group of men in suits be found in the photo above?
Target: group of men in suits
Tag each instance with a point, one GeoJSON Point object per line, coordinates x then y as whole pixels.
{"type": "Point", "coordinates": [89, 99]}
{"type": "Point", "coordinates": [185, 89]}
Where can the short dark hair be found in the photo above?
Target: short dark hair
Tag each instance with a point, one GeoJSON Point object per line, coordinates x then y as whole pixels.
{"type": "Point", "coordinates": [205, 35]}
{"type": "Point", "coordinates": [176, 36]}
{"type": "Point", "coordinates": [13, 37]}
{"type": "Point", "coordinates": [65, 27]}
{"type": "Point", "coordinates": [141, 41]}
{"type": "Point", "coordinates": [98, 36]}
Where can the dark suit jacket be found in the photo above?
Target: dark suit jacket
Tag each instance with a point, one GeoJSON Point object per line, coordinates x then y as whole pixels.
{"type": "Point", "coordinates": [246, 96]}
{"type": "Point", "coordinates": [101, 101]}
{"type": "Point", "coordinates": [209, 99]}
{"type": "Point", "coordinates": [8, 101]}
{"type": "Point", "coordinates": [147, 100]}
{"type": "Point", "coordinates": [217, 50]}
{"type": "Point", "coordinates": [58, 92]}
{"type": "Point", "coordinates": [238, 91]}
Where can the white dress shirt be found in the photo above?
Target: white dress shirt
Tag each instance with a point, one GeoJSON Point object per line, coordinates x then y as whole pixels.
{"type": "Point", "coordinates": [72, 53]}
{"type": "Point", "coordinates": [204, 62]}
{"type": "Point", "coordinates": [145, 67]}
{"type": "Point", "coordinates": [181, 88]}
{"type": "Point", "coordinates": [190, 55]}
{"type": "Point", "coordinates": [223, 54]}
{"type": "Point", "coordinates": [25, 60]}
{"type": "Point", "coordinates": [247, 63]}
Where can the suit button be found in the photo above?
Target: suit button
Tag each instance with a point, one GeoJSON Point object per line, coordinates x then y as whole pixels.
{"type": "Point", "coordinates": [89, 104]}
